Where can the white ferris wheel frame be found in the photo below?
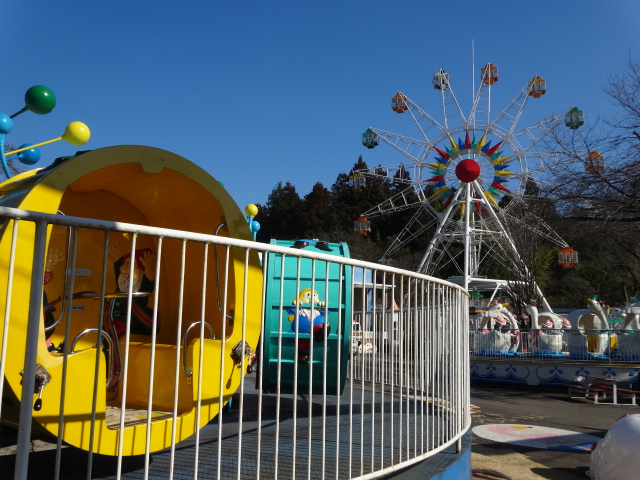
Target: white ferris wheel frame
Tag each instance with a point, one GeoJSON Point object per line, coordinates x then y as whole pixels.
{"type": "Point", "coordinates": [475, 234]}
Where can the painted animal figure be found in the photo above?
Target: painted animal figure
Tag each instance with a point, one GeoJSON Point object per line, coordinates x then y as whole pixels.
{"type": "Point", "coordinates": [632, 316]}
{"type": "Point", "coordinates": [559, 323]}
{"type": "Point", "coordinates": [493, 317]}
{"type": "Point", "coordinates": [629, 336]}
{"type": "Point", "coordinates": [515, 331]}
{"type": "Point", "coordinates": [622, 314]}
{"type": "Point", "coordinates": [491, 339]}
{"type": "Point", "coordinates": [492, 342]}
{"type": "Point", "coordinates": [545, 338]}
{"type": "Point", "coordinates": [584, 337]}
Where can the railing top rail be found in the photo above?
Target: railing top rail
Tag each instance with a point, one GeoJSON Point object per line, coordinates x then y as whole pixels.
{"type": "Point", "coordinates": [81, 222]}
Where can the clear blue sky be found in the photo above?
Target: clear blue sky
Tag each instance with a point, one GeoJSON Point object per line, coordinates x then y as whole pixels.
{"type": "Point", "coordinates": [257, 92]}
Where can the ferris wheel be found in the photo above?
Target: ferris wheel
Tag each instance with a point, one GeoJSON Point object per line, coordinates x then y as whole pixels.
{"type": "Point", "coordinates": [461, 170]}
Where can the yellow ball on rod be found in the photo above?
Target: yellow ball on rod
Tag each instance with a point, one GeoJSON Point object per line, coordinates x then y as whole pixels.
{"type": "Point", "coordinates": [76, 133]}
{"type": "Point", "coordinates": [251, 210]}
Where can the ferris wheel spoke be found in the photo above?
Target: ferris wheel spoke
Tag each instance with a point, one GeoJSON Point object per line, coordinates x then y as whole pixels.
{"type": "Point", "coordinates": [509, 245]}
{"type": "Point", "coordinates": [537, 131]}
{"type": "Point", "coordinates": [445, 221]}
{"type": "Point", "coordinates": [408, 198]}
{"type": "Point", "coordinates": [482, 100]}
{"type": "Point", "coordinates": [481, 107]}
{"type": "Point", "coordinates": [543, 166]}
{"type": "Point", "coordinates": [518, 215]}
{"type": "Point", "coordinates": [415, 226]}
{"type": "Point", "coordinates": [422, 119]}
{"type": "Point", "coordinates": [389, 173]}
{"type": "Point", "coordinates": [416, 150]}
{"type": "Point", "coordinates": [442, 256]}
{"type": "Point", "coordinates": [496, 253]}
{"type": "Point", "coordinates": [454, 119]}
{"type": "Point", "coordinates": [504, 124]}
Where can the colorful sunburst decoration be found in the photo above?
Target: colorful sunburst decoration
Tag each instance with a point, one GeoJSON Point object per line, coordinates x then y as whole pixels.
{"type": "Point", "coordinates": [467, 161]}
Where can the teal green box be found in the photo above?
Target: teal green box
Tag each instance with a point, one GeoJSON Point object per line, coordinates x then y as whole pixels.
{"type": "Point", "coordinates": [302, 297]}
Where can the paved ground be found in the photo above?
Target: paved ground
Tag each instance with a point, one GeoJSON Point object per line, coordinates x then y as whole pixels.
{"type": "Point", "coordinates": [522, 406]}
{"type": "Point", "coordinates": [502, 413]}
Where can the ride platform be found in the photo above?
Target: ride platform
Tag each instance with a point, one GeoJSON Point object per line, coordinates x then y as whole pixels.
{"type": "Point", "coordinates": [546, 371]}
{"type": "Point", "coordinates": [311, 436]}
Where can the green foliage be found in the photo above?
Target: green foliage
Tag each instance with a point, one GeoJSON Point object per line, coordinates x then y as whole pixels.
{"type": "Point", "coordinates": [317, 208]}
{"type": "Point", "coordinates": [281, 217]}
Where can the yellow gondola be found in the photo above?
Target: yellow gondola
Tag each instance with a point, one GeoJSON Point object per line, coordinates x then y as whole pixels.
{"type": "Point", "coordinates": [145, 186]}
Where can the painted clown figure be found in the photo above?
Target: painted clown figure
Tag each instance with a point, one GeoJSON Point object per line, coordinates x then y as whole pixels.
{"type": "Point", "coordinates": [308, 321]}
{"type": "Point", "coordinates": [141, 273]}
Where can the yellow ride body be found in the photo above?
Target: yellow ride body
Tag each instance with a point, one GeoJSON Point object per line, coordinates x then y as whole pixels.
{"type": "Point", "coordinates": [146, 186]}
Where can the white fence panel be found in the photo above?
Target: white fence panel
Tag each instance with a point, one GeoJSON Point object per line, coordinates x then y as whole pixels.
{"type": "Point", "coordinates": [141, 363]}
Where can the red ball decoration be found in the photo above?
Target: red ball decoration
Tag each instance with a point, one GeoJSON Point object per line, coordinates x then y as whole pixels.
{"type": "Point", "coordinates": [468, 170]}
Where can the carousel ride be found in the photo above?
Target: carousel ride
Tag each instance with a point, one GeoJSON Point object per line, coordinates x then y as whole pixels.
{"type": "Point", "coordinates": [471, 181]}
{"type": "Point", "coordinates": [100, 290]}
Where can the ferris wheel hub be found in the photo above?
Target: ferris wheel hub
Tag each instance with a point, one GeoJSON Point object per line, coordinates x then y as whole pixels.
{"type": "Point", "coordinates": [468, 170]}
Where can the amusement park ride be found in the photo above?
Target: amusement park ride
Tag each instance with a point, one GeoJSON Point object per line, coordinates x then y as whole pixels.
{"type": "Point", "coordinates": [80, 305]}
{"type": "Point", "coordinates": [83, 304]}
{"type": "Point", "coordinates": [475, 182]}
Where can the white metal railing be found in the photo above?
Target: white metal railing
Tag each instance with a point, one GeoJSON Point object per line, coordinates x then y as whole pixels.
{"type": "Point", "coordinates": [184, 396]}
{"type": "Point", "coordinates": [612, 345]}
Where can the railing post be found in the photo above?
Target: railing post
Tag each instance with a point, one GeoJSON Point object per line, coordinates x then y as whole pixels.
{"type": "Point", "coordinates": [29, 376]}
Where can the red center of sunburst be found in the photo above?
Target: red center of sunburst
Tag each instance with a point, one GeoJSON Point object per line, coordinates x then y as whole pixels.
{"type": "Point", "coordinates": [468, 170]}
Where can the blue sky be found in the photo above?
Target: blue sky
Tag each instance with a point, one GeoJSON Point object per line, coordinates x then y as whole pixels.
{"type": "Point", "coordinates": [261, 92]}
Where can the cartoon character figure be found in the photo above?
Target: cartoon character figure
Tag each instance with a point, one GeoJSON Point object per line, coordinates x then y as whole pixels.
{"type": "Point", "coordinates": [308, 321]}
{"type": "Point", "coordinates": [141, 274]}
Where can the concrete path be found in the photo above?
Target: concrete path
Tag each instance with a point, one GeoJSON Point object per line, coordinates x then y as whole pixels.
{"type": "Point", "coordinates": [511, 410]}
